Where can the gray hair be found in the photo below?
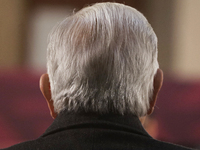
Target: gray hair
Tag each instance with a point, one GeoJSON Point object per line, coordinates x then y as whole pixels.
{"type": "Point", "coordinates": [103, 59]}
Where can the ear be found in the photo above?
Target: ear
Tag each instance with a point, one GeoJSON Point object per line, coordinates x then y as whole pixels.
{"type": "Point", "coordinates": [46, 91]}
{"type": "Point", "coordinates": [158, 80]}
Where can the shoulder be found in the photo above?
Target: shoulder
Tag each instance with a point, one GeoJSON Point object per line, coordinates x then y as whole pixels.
{"type": "Point", "coordinates": [167, 146]}
{"type": "Point", "coordinates": [43, 144]}
{"type": "Point", "coordinates": [34, 144]}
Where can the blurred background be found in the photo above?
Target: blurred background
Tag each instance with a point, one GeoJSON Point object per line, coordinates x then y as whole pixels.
{"type": "Point", "coordinates": [24, 27]}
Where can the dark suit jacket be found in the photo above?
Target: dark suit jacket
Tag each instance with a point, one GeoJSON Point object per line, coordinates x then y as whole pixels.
{"type": "Point", "coordinates": [90, 131]}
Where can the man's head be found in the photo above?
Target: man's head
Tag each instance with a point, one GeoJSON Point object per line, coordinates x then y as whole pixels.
{"type": "Point", "coordinates": [103, 59]}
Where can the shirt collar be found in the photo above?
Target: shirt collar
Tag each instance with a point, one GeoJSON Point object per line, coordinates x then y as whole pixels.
{"type": "Point", "coordinates": [71, 120]}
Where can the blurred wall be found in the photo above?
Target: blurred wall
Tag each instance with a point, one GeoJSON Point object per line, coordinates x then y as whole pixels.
{"type": "Point", "coordinates": [160, 14]}
{"type": "Point", "coordinates": [186, 40]}
{"type": "Point", "coordinates": [177, 25]}
{"type": "Point", "coordinates": [12, 23]}
{"type": "Point", "coordinates": [42, 19]}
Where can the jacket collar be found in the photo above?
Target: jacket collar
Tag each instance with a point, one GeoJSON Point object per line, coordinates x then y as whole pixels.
{"type": "Point", "coordinates": [70, 120]}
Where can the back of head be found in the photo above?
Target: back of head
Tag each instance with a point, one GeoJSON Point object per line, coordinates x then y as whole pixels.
{"type": "Point", "coordinates": [103, 59]}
